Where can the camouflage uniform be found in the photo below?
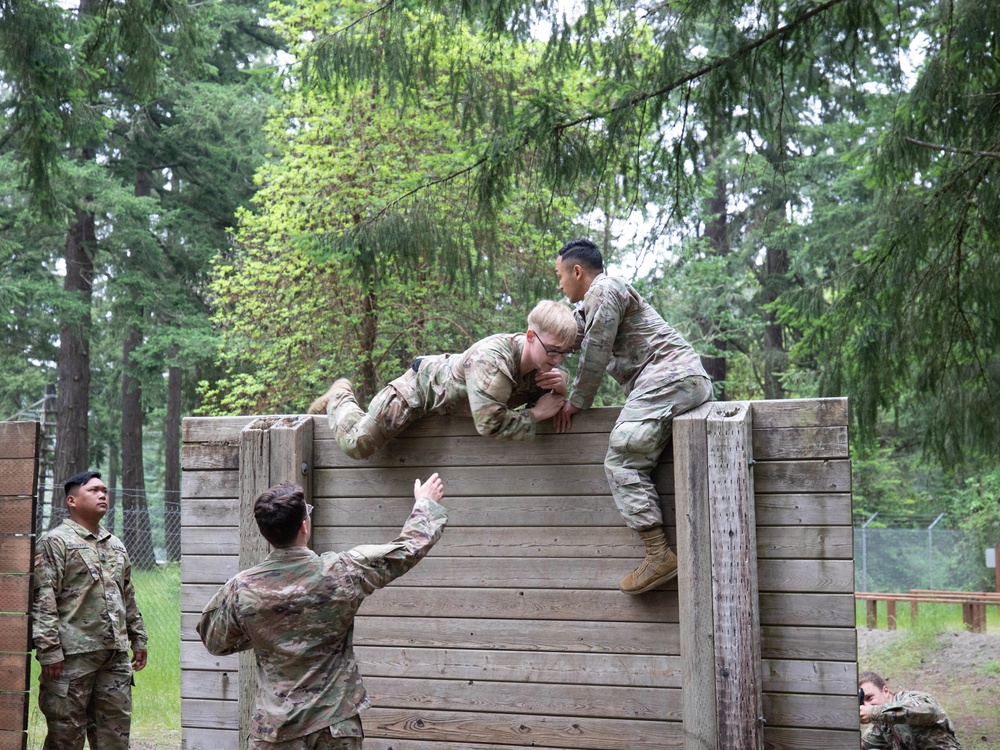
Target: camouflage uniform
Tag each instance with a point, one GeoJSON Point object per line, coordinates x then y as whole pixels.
{"type": "Point", "coordinates": [85, 615]}
{"type": "Point", "coordinates": [910, 721]}
{"type": "Point", "coordinates": [662, 377]}
{"type": "Point", "coordinates": [296, 611]}
{"type": "Point", "coordinates": [485, 381]}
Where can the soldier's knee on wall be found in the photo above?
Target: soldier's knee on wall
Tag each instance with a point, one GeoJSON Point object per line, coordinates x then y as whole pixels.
{"type": "Point", "coordinates": [635, 438]}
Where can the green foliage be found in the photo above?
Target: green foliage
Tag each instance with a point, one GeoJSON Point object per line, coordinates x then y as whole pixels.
{"type": "Point", "coordinates": [339, 272]}
{"type": "Point", "coordinates": [919, 315]}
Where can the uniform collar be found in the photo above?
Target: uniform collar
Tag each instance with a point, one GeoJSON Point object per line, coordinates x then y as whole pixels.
{"type": "Point", "coordinates": [291, 553]}
{"type": "Point", "coordinates": [83, 531]}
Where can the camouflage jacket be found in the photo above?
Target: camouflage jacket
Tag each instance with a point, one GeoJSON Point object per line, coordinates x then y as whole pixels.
{"type": "Point", "coordinates": [619, 332]}
{"type": "Point", "coordinates": [485, 381]}
{"type": "Point", "coordinates": [84, 599]}
{"type": "Point", "coordinates": [296, 611]}
{"type": "Point", "coordinates": [910, 721]}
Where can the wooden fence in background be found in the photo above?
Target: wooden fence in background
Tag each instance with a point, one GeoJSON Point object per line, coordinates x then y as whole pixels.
{"type": "Point", "coordinates": [512, 633]}
{"type": "Point", "coordinates": [19, 449]}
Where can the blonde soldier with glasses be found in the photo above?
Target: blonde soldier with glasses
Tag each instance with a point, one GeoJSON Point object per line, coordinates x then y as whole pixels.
{"type": "Point", "coordinates": [508, 382]}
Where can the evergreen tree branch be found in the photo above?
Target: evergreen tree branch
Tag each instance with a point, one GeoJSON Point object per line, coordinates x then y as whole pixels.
{"type": "Point", "coordinates": [953, 149]}
{"type": "Point", "coordinates": [704, 70]}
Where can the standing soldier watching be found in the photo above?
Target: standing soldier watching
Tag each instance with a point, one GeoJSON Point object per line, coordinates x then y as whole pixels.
{"type": "Point", "coordinates": [296, 611]}
{"type": "Point", "coordinates": [662, 377]}
{"type": "Point", "coordinates": [84, 619]}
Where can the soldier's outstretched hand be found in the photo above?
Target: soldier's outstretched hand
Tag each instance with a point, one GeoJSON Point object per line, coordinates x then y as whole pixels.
{"type": "Point", "coordinates": [433, 488]}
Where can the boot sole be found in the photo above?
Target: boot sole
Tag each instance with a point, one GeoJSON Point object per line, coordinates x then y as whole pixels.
{"type": "Point", "coordinates": [654, 585]}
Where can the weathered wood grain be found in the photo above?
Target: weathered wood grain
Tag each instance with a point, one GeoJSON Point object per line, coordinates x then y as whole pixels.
{"type": "Point", "coordinates": [826, 475]}
{"type": "Point", "coordinates": [802, 510]}
{"type": "Point", "coordinates": [797, 443]}
{"type": "Point", "coordinates": [805, 542]}
{"type": "Point", "coordinates": [15, 554]}
{"type": "Point", "coordinates": [813, 412]}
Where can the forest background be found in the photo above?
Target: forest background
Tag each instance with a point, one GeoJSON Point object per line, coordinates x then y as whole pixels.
{"type": "Point", "coordinates": [218, 208]}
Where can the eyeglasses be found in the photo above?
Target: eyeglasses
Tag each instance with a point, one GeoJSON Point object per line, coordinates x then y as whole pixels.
{"type": "Point", "coordinates": [309, 510]}
{"type": "Point", "coordinates": [551, 351]}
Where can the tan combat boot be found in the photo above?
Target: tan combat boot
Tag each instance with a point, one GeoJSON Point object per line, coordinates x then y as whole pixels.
{"type": "Point", "coordinates": [341, 387]}
{"type": "Point", "coordinates": [659, 566]}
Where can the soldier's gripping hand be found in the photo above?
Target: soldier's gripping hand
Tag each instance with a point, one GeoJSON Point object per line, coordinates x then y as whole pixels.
{"type": "Point", "coordinates": [432, 489]}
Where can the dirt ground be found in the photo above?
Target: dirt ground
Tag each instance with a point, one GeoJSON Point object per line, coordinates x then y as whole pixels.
{"type": "Point", "coordinates": [961, 670]}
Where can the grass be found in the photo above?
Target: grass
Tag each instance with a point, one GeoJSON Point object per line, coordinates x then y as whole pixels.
{"type": "Point", "coordinates": [156, 697]}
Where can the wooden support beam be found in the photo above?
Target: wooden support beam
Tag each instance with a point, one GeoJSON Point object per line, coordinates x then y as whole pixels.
{"type": "Point", "coordinates": [272, 450]}
{"type": "Point", "coordinates": [717, 588]}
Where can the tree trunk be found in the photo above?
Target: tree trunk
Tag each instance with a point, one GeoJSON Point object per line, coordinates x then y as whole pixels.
{"type": "Point", "coordinates": [113, 490]}
{"type": "Point", "coordinates": [135, 514]}
{"type": "Point", "coordinates": [136, 531]}
{"type": "Point", "coordinates": [369, 333]}
{"type": "Point", "coordinates": [73, 390]}
{"type": "Point", "coordinates": [172, 466]}
{"type": "Point", "coordinates": [775, 356]}
{"type": "Point", "coordinates": [716, 232]}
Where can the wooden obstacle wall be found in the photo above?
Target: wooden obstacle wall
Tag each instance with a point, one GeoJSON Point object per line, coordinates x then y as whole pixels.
{"type": "Point", "coordinates": [19, 448]}
{"type": "Point", "coordinates": [512, 633]}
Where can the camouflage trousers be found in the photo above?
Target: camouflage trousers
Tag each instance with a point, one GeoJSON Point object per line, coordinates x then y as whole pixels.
{"type": "Point", "coordinates": [349, 737]}
{"type": "Point", "coordinates": [360, 434]}
{"type": "Point", "coordinates": [634, 449]}
{"type": "Point", "coordinates": [92, 699]}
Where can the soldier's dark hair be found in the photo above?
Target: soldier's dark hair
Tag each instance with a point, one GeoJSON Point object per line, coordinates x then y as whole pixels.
{"type": "Point", "coordinates": [872, 677]}
{"type": "Point", "coordinates": [583, 252]}
{"type": "Point", "coordinates": [279, 512]}
{"type": "Point", "coordinates": [76, 481]}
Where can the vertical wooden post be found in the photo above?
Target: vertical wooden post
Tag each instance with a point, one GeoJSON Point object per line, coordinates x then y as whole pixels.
{"type": "Point", "coordinates": [694, 579]}
{"type": "Point", "coordinates": [890, 614]}
{"type": "Point", "coordinates": [19, 451]}
{"type": "Point", "coordinates": [871, 613]}
{"type": "Point", "coordinates": [272, 450]}
{"type": "Point", "coordinates": [717, 585]}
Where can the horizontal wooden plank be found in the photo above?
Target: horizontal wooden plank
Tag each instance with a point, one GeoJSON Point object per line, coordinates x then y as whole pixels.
{"type": "Point", "coordinates": [809, 643]}
{"type": "Point", "coordinates": [566, 700]}
{"type": "Point", "coordinates": [17, 514]}
{"type": "Point", "coordinates": [12, 709]}
{"type": "Point", "coordinates": [831, 610]}
{"type": "Point", "coordinates": [827, 475]}
{"type": "Point", "coordinates": [19, 440]}
{"type": "Point", "coordinates": [787, 738]}
{"type": "Point", "coordinates": [805, 542]}
{"type": "Point", "coordinates": [816, 676]}
{"type": "Point", "coordinates": [474, 481]}
{"type": "Point", "coordinates": [520, 667]}
{"type": "Point", "coordinates": [498, 635]}
{"type": "Point", "coordinates": [550, 511]}
{"type": "Point", "coordinates": [798, 710]}
{"type": "Point", "coordinates": [198, 738]}
{"type": "Point", "coordinates": [803, 510]}
{"type": "Point", "coordinates": [473, 450]}
{"type": "Point", "coordinates": [797, 443]}
{"type": "Point", "coordinates": [812, 412]}
{"type": "Point", "coordinates": [14, 592]}
{"type": "Point", "coordinates": [14, 671]}
{"type": "Point", "coordinates": [210, 456]}
{"type": "Point", "coordinates": [213, 429]}
{"type": "Point", "coordinates": [523, 730]}
{"type": "Point", "coordinates": [12, 739]}
{"type": "Point", "coordinates": [15, 554]}
{"type": "Point", "coordinates": [816, 576]}
{"type": "Point", "coordinates": [17, 476]}
{"type": "Point", "coordinates": [194, 656]}
{"type": "Point", "coordinates": [209, 484]}
{"type": "Point", "coordinates": [501, 541]}
{"type": "Point", "coordinates": [598, 420]}
{"type": "Point", "coordinates": [14, 632]}
{"type": "Point", "coordinates": [210, 540]}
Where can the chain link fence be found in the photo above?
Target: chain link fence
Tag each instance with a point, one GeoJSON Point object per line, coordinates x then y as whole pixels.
{"type": "Point", "coordinates": [897, 560]}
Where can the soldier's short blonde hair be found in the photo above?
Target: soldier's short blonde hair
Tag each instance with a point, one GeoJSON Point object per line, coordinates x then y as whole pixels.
{"type": "Point", "coordinates": [555, 321]}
